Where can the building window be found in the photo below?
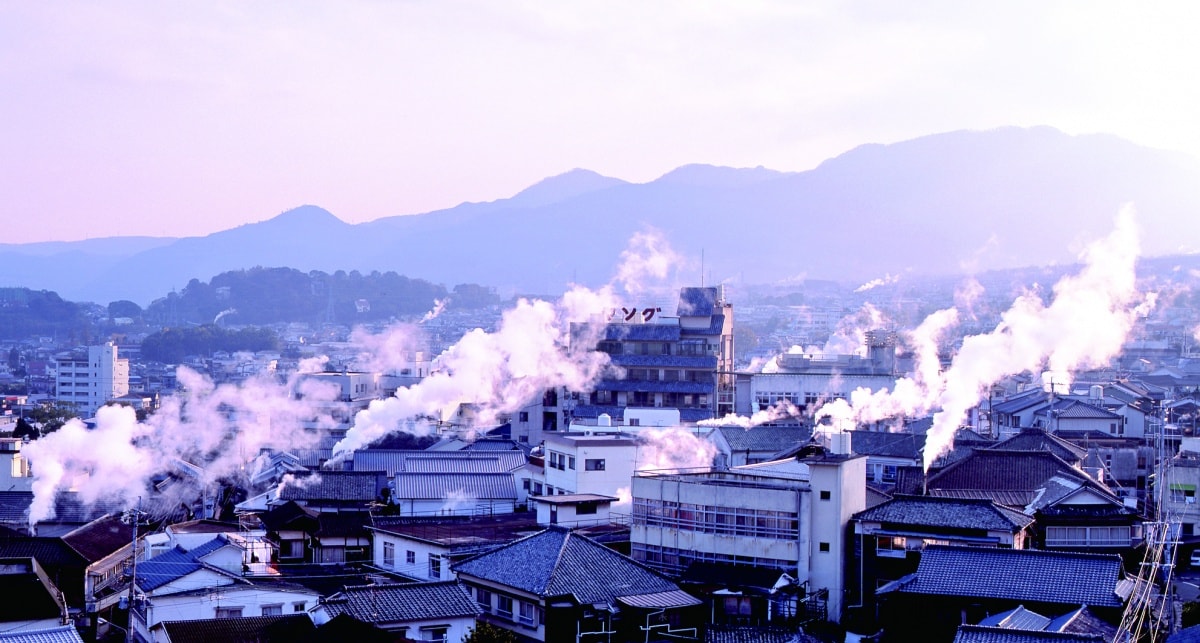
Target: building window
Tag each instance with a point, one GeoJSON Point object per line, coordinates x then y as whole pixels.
{"type": "Point", "coordinates": [586, 508]}
{"type": "Point", "coordinates": [229, 612]}
{"type": "Point", "coordinates": [484, 598]}
{"type": "Point", "coordinates": [593, 464]}
{"type": "Point", "coordinates": [527, 614]}
{"type": "Point", "coordinates": [410, 557]}
{"type": "Point", "coordinates": [524, 416]}
{"type": "Point", "coordinates": [825, 495]}
{"type": "Point", "coordinates": [272, 610]}
{"type": "Point", "coordinates": [389, 555]}
{"type": "Point", "coordinates": [571, 462]}
{"type": "Point", "coordinates": [436, 633]}
{"type": "Point", "coordinates": [504, 606]}
{"type": "Point", "coordinates": [823, 547]}
{"type": "Point", "coordinates": [889, 473]}
{"type": "Point", "coordinates": [299, 606]}
{"type": "Point", "coordinates": [435, 566]}
{"type": "Point", "coordinates": [890, 546]}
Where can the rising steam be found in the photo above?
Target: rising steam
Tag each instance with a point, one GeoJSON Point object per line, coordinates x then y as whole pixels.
{"type": "Point", "coordinates": [1084, 326]}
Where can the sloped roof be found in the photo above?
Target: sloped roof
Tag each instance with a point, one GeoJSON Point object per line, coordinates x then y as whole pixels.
{"type": "Point", "coordinates": [175, 564]}
{"type": "Point", "coordinates": [351, 486]}
{"type": "Point", "coordinates": [402, 603]}
{"type": "Point", "coordinates": [887, 444]}
{"type": "Point", "coordinates": [1018, 618]}
{"type": "Point", "coordinates": [335, 524]}
{"type": "Point", "coordinates": [1017, 574]}
{"type": "Point", "coordinates": [289, 516]}
{"type": "Point", "coordinates": [14, 506]}
{"type": "Point", "coordinates": [100, 537]}
{"type": "Point", "coordinates": [1075, 409]}
{"type": "Point", "coordinates": [393, 461]}
{"type": "Point", "coordinates": [927, 511]}
{"type": "Point", "coordinates": [664, 361]}
{"type": "Point", "coordinates": [754, 634]}
{"type": "Point", "coordinates": [1020, 401]}
{"type": "Point", "coordinates": [1007, 470]}
{"type": "Point", "coordinates": [557, 562]}
{"type": "Point", "coordinates": [1083, 621]}
{"type": "Point", "coordinates": [764, 438]}
{"type": "Point", "coordinates": [62, 634]}
{"type": "Point", "coordinates": [1039, 440]}
{"type": "Point", "coordinates": [981, 634]}
{"type": "Point", "coordinates": [641, 332]}
{"type": "Point", "coordinates": [247, 629]}
{"type": "Point", "coordinates": [438, 486]}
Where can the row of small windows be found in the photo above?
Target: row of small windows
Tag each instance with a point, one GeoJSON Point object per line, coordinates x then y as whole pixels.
{"type": "Point", "coordinates": [675, 561]}
{"type": "Point", "coordinates": [765, 399]}
{"type": "Point", "coordinates": [523, 612]}
{"type": "Point", "coordinates": [736, 521]}
{"type": "Point", "coordinates": [693, 348]}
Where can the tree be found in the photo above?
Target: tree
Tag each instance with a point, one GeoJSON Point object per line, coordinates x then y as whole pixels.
{"type": "Point", "coordinates": [51, 418]}
{"type": "Point", "coordinates": [488, 633]}
{"type": "Point", "coordinates": [24, 430]}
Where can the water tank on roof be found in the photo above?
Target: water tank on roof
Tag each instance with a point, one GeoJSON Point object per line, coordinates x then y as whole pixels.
{"type": "Point", "coordinates": [604, 420]}
{"type": "Point", "coordinates": [1096, 392]}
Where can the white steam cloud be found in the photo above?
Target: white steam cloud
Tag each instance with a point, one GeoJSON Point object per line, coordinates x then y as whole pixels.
{"type": "Point", "coordinates": [222, 429]}
{"type": "Point", "coordinates": [1084, 326]}
{"type": "Point", "coordinates": [875, 283]}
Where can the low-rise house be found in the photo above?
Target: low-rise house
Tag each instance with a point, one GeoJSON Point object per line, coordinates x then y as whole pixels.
{"type": "Point", "coordinates": [455, 494]}
{"type": "Point", "coordinates": [887, 453]}
{"type": "Point", "coordinates": [892, 535]}
{"type": "Point", "coordinates": [342, 537]}
{"type": "Point", "coordinates": [31, 601]}
{"type": "Point", "coordinates": [557, 585]}
{"type": "Point", "coordinates": [332, 490]}
{"type": "Point", "coordinates": [956, 586]}
{"type": "Point", "coordinates": [427, 549]}
{"type": "Point", "coordinates": [574, 510]}
{"type": "Point", "coordinates": [737, 445]}
{"type": "Point", "coordinates": [60, 634]}
{"type": "Point", "coordinates": [439, 611]}
{"type": "Point", "coordinates": [205, 583]}
{"type": "Point", "coordinates": [288, 527]}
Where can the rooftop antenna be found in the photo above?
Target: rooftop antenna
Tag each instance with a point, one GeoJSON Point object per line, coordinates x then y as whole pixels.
{"type": "Point", "coordinates": [702, 267]}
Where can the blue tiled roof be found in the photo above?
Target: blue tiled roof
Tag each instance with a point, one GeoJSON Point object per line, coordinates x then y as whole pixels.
{"type": "Point", "coordinates": [656, 386]}
{"type": "Point", "coordinates": [981, 634]}
{"type": "Point", "coordinates": [175, 564]}
{"type": "Point", "coordinates": [715, 326]}
{"type": "Point", "coordinates": [642, 332]}
{"type": "Point", "coordinates": [62, 634]}
{"type": "Point", "coordinates": [1017, 619]}
{"type": "Point", "coordinates": [557, 562]}
{"type": "Point", "coordinates": [764, 438]}
{"type": "Point", "coordinates": [1017, 574]}
{"type": "Point", "coordinates": [665, 361]}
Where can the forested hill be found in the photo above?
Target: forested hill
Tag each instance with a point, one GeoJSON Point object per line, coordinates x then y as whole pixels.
{"type": "Point", "coordinates": [271, 295]}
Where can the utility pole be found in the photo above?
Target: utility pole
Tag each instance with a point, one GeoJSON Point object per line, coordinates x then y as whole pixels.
{"type": "Point", "coordinates": [132, 518]}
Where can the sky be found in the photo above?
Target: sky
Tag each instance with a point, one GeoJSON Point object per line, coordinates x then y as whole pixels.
{"type": "Point", "coordinates": [181, 119]}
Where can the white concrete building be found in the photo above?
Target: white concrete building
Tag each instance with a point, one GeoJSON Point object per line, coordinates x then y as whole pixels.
{"type": "Point", "coordinates": [589, 463]}
{"type": "Point", "coordinates": [790, 515]}
{"type": "Point", "coordinates": [15, 474]}
{"type": "Point", "coordinates": [90, 380]}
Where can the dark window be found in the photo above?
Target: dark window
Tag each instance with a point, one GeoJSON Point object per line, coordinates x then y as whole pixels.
{"type": "Point", "coordinates": [825, 495]}
{"type": "Point", "coordinates": [593, 464]}
{"type": "Point", "coordinates": [823, 546]}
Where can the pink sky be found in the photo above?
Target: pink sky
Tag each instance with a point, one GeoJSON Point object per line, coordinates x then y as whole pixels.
{"type": "Point", "coordinates": [144, 118]}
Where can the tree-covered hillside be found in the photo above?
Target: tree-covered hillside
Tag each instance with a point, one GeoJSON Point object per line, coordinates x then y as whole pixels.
{"type": "Point", "coordinates": [26, 313]}
{"type": "Point", "coordinates": [271, 295]}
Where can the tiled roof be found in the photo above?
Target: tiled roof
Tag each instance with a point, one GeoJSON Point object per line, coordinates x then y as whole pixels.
{"type": "Point", "coordinates": [764, 438]}
{"type": "Point", "coordinates": [288, 516]}
{"type": "Point", "coordinates": [334, 485]}
{"type": "Point", "coordinates": [100, 538]}
{"type": "Point", "coordinates": [752, 634]}
{"type": "Point", "coordinates": [1039, 440]}
{"type": "Point", "coordinates": [49, 552]}
{"type": "Point", "coordinates": [665, 361]}
{"type": "Point", "coordinates": [885, 444]}
{"type": "Point", "coordinates": [247, 629]}
{"type": "Point", "coordinates": [437, 486]}
{"type": "Point", "coordinates": [557, 562]}
{"type": "Point", "coordinates": [14, 506]}
{"type": "Point", "coordinates": [1017, 574]}
{"type": "Point", "coordinates": [926, 511]}
{"type": "Point", "coordinates": [404, 603]}
{"type": "Point", "coordinates": [1186, 635]}
{"type": "Point", "coordinates": [980, 634]}
{"type": "Point", "coordinates": [1077, 410]}
{"type": "Point", "coordinates": [62, 634]}
{"type": "Point", "coordinates": [1020, 401]}
{"type": "Point", "coordinates": [174, 564]}
{"type": "Point", "coordinates": [393, 461]}
{"type": "Point", "coordinates": [1083, 621]}
{"type": "Point", "coordinates": [655, 386]}
{"type": "Point", "coordinates": [1017, 619]}
{"type": "Point", "coordinates": [642, 332]}
{"type": "Point", "coordinates": [715, 325]}
{"type": "Point", "coordinates": [1003, 470]}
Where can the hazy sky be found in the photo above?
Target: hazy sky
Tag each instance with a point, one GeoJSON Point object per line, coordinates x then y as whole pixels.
{"type": "Point", "coordinates": [174, 119]}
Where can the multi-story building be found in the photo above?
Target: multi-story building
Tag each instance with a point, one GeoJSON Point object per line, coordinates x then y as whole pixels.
{"type": "Point", "coordinates": [89, 380]}
{"type": "Point", "coordinates": [788, 515]}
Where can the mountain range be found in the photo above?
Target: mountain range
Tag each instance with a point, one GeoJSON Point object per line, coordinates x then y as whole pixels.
{"type": "Point", "coordinates": [943, 204]}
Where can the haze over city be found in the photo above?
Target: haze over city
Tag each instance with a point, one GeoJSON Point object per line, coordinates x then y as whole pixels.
{"type": "Point", "coordinates": [144, 119]}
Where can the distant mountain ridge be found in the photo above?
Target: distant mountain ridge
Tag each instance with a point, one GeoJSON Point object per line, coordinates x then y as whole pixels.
{"type": "Point", "coordinates": [939, 204]}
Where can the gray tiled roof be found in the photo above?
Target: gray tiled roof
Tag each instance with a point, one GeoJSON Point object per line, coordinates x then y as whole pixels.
{"type": "Point", "coordinates": [1003, 470]}
{"type": "Point", "coordinates": [1017, 619]}
{"type": "Point", "coordinates": [99, 538]}
{"type": "Point", "coordinates": [980, 634]}
{"type": "Point", "coordinates": [437, 486]}
{"type": "Point", "coordinates": [1039, 440]}
{"type": "Point", "coordinates": [247, 629]}
{"type": "Point", "coordinates": [764, 438]}
{"type": "Point", "coordinates": [557, 562]}
{"type": "Point", "coordinates": [664, 361]}
{"type": "Point", "coordinates": [1017, 574]}
{"type": "Point", "coordinates": [927, 511]}
{"type": "Point", "coordinates": [334, 485]}
{"type": "Point", "coordinates": [642, 332]}
{"type": "Point", "coordinates": [403, 603]}
{"type": "Point", "coordinates": [885, 444]}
